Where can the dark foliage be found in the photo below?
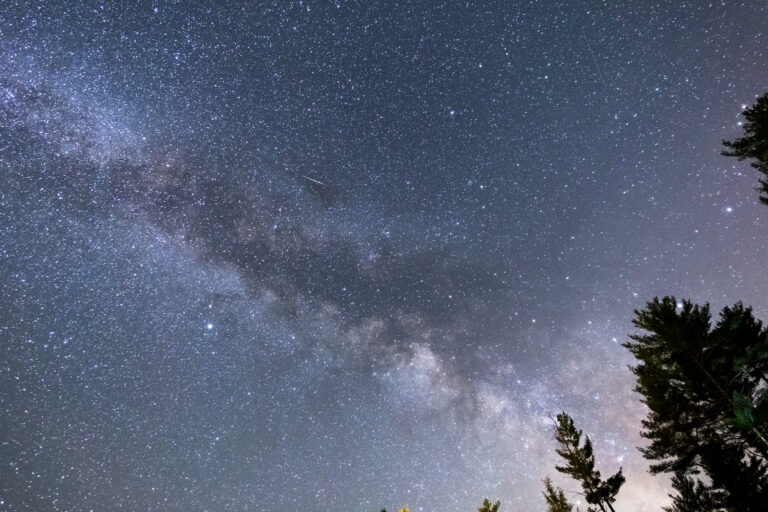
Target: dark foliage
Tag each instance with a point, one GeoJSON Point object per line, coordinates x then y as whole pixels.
{"type": "Point", "coordinates": [753, 145]}
{"type": "Point", "coordinates": [580, 465]}
{"type": "Point", "coordinates": [555, 498]}
{"type": "Point", "coordinates": [488, 507]}
{"type": "Point", "coordinates": [693, 496]}
{"type": "Point", "coordinates": [706, 391]}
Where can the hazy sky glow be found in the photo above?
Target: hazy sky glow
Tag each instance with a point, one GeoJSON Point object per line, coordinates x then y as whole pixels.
{"type": "Point", "coordinates": [318, 256]}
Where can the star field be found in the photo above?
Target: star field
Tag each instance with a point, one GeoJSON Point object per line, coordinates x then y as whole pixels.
{"type": "Point", "coordinates": [354, 255]}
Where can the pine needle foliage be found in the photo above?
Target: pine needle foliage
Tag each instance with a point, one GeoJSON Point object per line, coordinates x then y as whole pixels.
{"type": "Point", "coordinates": [707, 393]}
{"type": "Point", "coordinates": [580, 465]}
{"type": "Point", "coordinates": [489, 507]}
{"type": "Point", "coordinates": [753, 145]}
{"type": "Point", "coordinates": [555, 498]}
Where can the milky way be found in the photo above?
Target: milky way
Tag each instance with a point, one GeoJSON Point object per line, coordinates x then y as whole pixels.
{"type": "Point", "coordinates": [323, 256]}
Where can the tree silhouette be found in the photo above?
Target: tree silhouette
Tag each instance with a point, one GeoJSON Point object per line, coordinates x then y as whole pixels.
{"type": "Point", "coordinates": [708, 400]}
{"type": "Point", "coordinates": [754, 145]}
{"type": "Point", "coordinates": [487, 507]}
{"type": "Point", "coordinates": [693, 495]}
{"type": "Point", "coordinates": [580, 465]}
{"type": "Point", "coordinates": [555, 498]}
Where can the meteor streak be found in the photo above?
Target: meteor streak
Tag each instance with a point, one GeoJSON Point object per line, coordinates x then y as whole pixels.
{"type": "Point", "coordinates": [313, 180]}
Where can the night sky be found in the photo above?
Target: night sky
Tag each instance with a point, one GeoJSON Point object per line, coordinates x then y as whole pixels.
{"type": "Point", "coordinates": [339, 257]}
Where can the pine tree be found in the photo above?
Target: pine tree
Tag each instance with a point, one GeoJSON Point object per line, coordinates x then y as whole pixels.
{"type": "Point", "coordinates": [580, 465]}
{"type": "Point", "coordinates": [742, 481]}
{"type": "Point", "coordinates": [488, 507]}
{"type": "Point", "coordinates": [693, 496]}
{"type": "Point", "coordinates": [555, 498]}
{"type": "Point", "coordinates": [707, 396]}
{"type": "Point", "coordinates": [754, 144]}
